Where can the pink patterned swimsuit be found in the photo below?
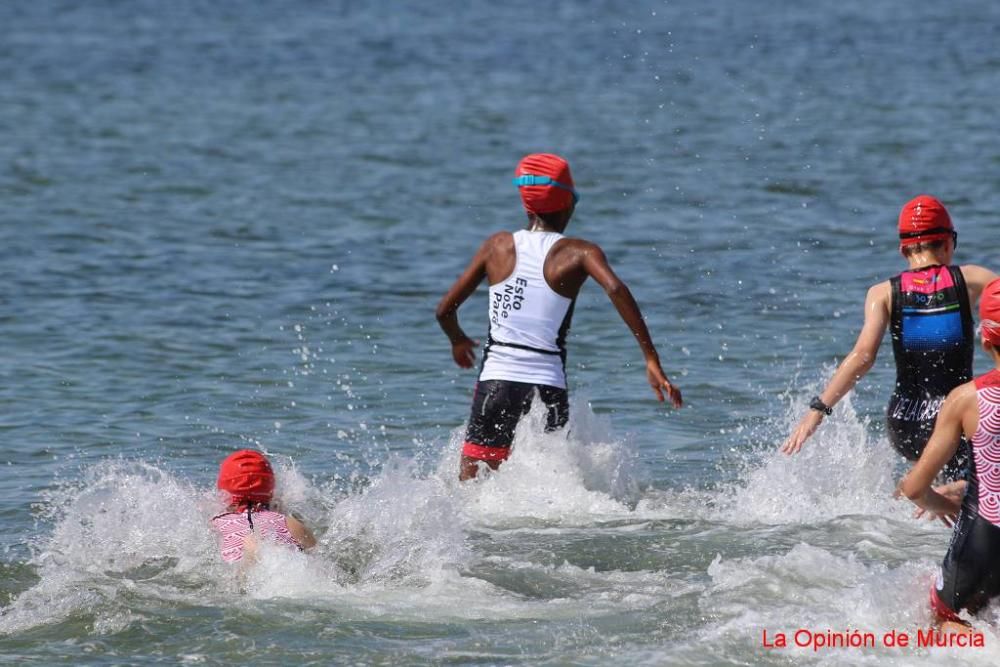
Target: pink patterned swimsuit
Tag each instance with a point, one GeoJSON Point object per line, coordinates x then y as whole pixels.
{"type": "Point", "coordinates": [234, 527]}
{"type": "Point", "coordinates": [970, 574]}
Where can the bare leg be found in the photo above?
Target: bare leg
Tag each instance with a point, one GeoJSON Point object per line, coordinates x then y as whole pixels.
{"type": "Point", "coordinates": [468, 468]}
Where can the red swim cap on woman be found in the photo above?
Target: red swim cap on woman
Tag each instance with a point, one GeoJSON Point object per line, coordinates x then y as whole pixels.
{"type": "Point", "coordinates": [989, 312]}
{"type": "Point", "coordinates": [247, 476]}
{"type": "Point", "coordinates": [924, 218]}
{"type": "Point", "coordinates": [545, 183]}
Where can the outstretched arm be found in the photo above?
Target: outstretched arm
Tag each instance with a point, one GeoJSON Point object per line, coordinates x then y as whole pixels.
{"type": "Point", "coordinates": [447, 311]}
{"type": "Point", "coordinates": [852, 368]}
{"type": "Point", "coordinates": [302, 535]}
{"type": "Point", "coordinates": [596, 265]}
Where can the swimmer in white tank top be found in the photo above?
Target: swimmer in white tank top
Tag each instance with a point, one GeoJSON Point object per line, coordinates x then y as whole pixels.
{"type": "Point", "coordinates": [534, 277]}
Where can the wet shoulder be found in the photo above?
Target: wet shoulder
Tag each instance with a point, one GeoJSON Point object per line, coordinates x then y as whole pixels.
{"type": "Point", "coordinates": [880, 288]}
{"type": "Point", "coordinates": [500, 241]}
{"type": "Point", "coordinates": [962, 404]}
{"type": "Point", "coordinates": [573, 246]}
{"type": "Point", "coordinates": [880, 293]}
{"type": "Point", "coordinates": [963, 397]}
{"type": "Point", "coordinates": [976, 277]}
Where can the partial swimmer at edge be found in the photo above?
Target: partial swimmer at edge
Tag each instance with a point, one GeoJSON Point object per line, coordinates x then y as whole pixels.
{"type": "Point", "coordinates": [970, 572]}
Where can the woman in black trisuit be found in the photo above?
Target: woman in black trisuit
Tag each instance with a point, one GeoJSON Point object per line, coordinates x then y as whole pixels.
{"type": "Point", "coordinates": [928, 309]}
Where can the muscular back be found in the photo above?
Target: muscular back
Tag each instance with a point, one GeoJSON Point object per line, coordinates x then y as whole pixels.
{"type": "Point", "coordinates": [565, 267]}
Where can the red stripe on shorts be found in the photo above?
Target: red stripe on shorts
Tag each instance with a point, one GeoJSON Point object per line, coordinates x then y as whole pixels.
{"type": "Point", "coordinates": [943, 611]}
{"type": "Point", "coordinates": [484, 453]}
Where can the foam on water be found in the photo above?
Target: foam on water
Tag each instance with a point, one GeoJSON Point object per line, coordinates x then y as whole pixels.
{"type": "Point", "coordinates": [822, 589]}
{"type": "Point", "coordinates": [868, 564]}
{"type": "Point", "coordinates": [841, 470]}
{"type": "Point", "coordinates": [124, 527]}
{"type": "Point", "coordinates": [811, 541]}
{"type": "Point", "coordinates": [398, 546]}
{"type": "Point", "coordinates": [578, 476]}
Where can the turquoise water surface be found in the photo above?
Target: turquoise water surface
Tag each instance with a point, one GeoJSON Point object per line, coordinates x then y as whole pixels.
{"type": "Point", "coordinates": [228, 225]}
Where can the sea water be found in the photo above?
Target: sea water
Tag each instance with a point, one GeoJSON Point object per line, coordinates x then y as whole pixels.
{"type": "Point", "coordinates": [565, 555]}
{"type": "Point", "coordinates": [228, 226]}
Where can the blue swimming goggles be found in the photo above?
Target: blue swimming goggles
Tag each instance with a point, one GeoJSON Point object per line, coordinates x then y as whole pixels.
{"type": "Point", "coordinates": [531, 179]}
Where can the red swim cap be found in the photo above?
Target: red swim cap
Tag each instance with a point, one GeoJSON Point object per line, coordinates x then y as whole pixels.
{"type": "Point", "coordinates": [989, 312]}
{"type": "Point", "coordinates": [247, 476]}
{"type": "Point", "coordinates": [924, 218]}
{"type": "Point", "coordinates": [545, 183]}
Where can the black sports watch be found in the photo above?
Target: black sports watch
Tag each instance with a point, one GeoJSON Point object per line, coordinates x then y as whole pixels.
{"type": "Point", "coordinates": [817, 404]}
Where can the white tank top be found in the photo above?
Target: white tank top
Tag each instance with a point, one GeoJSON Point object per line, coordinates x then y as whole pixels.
{"type": "Point", "coordinates": [528, 320]}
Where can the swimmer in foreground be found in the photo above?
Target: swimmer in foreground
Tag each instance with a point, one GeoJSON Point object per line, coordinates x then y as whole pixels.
{"type": "Point", "coordinates": [928, 309]}
{"type": "Point", "coordinates": [534, 276]}
{"type": "Point", "coordinates": [246, 476]}
{"type": "Point", "coordinates": [970, 573]}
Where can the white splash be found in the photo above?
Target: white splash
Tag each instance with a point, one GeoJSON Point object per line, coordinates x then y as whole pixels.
{"type": "Point", "coordinates": [842, 470]}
